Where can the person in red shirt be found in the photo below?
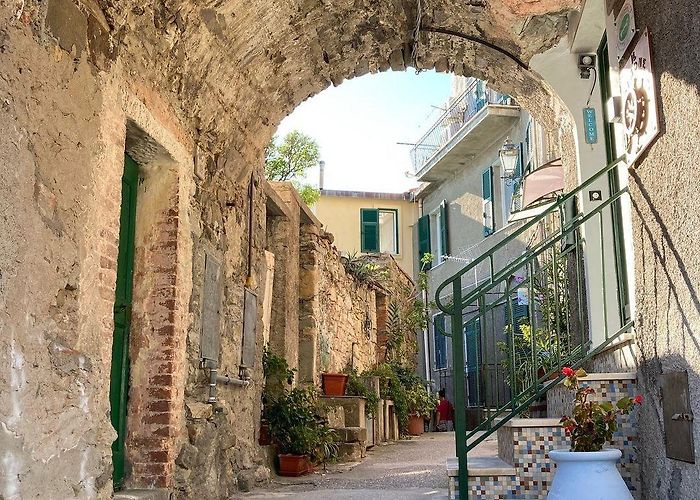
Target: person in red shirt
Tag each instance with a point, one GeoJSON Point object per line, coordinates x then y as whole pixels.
{"type": "Point", "coordinates": [444, 413]}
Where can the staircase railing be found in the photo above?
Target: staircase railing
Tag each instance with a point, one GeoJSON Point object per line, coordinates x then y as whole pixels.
{"type": "Point", "coordinates": [523, 316]}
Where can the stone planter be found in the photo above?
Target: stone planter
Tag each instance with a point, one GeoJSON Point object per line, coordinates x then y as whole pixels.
{"type": "Point", "coordinates": [592, 474]}
{"type": "Point", "coordinates": [416, 425]}
{"type": "Point", "coordinates": [334, 384]}
{"type": "Point", "coordinates": [294, 465]}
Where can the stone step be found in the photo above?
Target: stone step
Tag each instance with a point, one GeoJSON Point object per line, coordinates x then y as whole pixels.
{"type": "Point", "coordinates": [489, 477]}
{"type": "Point", "coordinates": [154, 494]}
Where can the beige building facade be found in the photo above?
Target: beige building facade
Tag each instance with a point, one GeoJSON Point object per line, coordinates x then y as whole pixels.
{"type": "Point", "coordinates": [351, 216]}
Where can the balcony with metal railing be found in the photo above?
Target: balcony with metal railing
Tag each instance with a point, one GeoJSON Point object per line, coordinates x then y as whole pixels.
{"type": "Point", "coordinates": [464, 129]}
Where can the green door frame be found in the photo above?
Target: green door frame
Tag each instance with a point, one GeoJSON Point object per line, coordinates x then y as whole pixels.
{"type": "Point", "coordinates": [119, 379]}
{"type": "Point", "coordinates": [623, 298]}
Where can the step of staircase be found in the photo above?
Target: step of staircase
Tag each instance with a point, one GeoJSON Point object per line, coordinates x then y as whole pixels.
{"type": "Point", "coordinates": [521, 468]}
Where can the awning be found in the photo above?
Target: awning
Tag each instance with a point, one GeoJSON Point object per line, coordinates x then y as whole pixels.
{"type": "Point", "coordinates": [538, 191]}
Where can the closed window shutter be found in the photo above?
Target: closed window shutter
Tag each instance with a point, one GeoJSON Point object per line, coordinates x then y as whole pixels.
{"type": "Point", "coordinates": [520, 313]}
{"type": "Point", "coordinates": [369, 231]}
{"type": "Point", "coordinates": [487, 204]}
{"type": "Point", "coordinates": [444, 233]}
{"type": "Point", "coordinates": [472, 331]}
{"type": "Point", "coordinates": [423, 239]}
{"type": "Point", "coordinates": [440, 342]}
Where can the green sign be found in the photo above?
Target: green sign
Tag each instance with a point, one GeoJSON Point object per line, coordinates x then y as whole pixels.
{"type": "Point", "coordinates": [624, 28]}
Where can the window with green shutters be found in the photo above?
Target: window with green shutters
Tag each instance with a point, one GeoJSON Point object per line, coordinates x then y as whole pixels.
{"type": "Point", "coordinates": [423, 240]}
{"type": "Point", "coordinates": [369, 230]}
{"type": "Point", "coordinates": [444, 233]}
{"type": "Point", "coordinates": [439, 342]}
{"type": "Point", "coordinates": [487, 201]}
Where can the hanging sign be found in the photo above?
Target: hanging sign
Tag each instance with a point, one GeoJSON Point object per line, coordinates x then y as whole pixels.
{"type": "Point", "coordinates": [590, 126]}
{"type": "Point", "coordinates": [639, 108]}
{"type": "Point", "coordinates": [625, 28]}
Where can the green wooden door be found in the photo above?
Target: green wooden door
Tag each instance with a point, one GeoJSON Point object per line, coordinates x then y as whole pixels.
{"type": "Point", "coordinates": [119, 381]}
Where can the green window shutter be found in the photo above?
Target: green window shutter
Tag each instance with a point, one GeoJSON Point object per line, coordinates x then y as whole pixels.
{"type": "Point", "coordinates": [521, 313]}
{"type": "Point", "coordinates": [369, 230]}
{"type": "Point", "coordinates": [487, 203]}
{"type": "Point", "coordinates": [440, 341]}
{"type": "Point", "coordinates": [521, 162]}
{"type": "Point", "coordinates": [423, 239]}
{"type": "Point", "coordinates": [444, 233]}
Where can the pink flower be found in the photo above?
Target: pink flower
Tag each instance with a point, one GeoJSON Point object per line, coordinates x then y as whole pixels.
{"type": "Point", "coordinates": [567, 371]}
{"type": "Point", "coordinates": [638, 400]}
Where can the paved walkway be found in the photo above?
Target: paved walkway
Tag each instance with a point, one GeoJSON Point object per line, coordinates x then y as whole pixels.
{"type": "Point", "coordinates": [408, 469]}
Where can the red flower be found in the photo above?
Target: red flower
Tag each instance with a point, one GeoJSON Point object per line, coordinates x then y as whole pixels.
{"type": "Point", "coordinates": [567, 371]}
{"type": "Point", "coordinates": [638, 400]}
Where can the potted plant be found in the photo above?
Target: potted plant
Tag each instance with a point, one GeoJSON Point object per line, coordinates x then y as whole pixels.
{"type": "Point", "coordinates": [298, 431]}
{"type": "Point", "coordinates": [334, 384]}
{"type": "Point", "coordinates": [421, 405]}
{"type": "Point", "coordinates": [278, 376]}
{"type": "Point", "coordinates": [586, 466]}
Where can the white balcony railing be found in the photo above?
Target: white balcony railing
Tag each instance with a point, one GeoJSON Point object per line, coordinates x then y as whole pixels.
{"type": "Point", "coordinates": [460, 111]}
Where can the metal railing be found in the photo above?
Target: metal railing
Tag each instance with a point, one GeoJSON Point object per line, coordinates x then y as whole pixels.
{"type": "Point", "coordinates": [529, 317]}
{"type": "Point", "coordinates": [459, 112]}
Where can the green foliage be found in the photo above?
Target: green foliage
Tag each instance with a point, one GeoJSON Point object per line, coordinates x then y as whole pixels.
{"type": "Point", "coordinates": [307, 192]}
{"type": "Point", "coordinates": [592, 424]}
{"type": "Point", "coordinates": [401, 385]}
{"type": "Point", "coordinates": [528, 368]}
{"type": "Point", "coordinates": [420, 401]}
{"type": "Point", "coordinates": [357, 387]}
{"type": "Point", "coordinates": [363, 269]}
{"type": "Point", "coordinates": [278, 375]}
{"type": "Point", "coordinates": [295, 424]}
{"type": "Point", "coordinates": [290, 160]}
{"type": "Point", "coordinates": [297, 428]}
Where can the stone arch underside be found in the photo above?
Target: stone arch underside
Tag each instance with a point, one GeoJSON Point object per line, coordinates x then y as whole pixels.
{"type": "Point", "coordinates": [236, 69]}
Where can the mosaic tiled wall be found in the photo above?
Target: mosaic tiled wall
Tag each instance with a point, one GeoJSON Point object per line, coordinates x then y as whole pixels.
{"type": "Point", "coordinates": [560, 402]}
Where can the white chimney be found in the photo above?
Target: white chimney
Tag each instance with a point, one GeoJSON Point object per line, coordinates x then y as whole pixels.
{"type": "Point", "coordinates": [321, 169]}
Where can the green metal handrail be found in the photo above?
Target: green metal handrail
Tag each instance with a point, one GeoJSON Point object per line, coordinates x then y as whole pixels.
{"type": "Point", "coordinates": [534, 350]}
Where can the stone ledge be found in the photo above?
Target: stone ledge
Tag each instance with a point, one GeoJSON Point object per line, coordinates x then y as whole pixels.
{"type": "Point", "coordinates": [607, 376]}
{"type": "Point", "coordinates": [532, 422]}
{"type": "Point", "coordinates": [155, 494]}
{"type": "Point", "coordinates": [481, 466]}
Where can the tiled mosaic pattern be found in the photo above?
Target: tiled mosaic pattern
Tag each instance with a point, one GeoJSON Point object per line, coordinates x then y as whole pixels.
{"type": "Point", "coordinates": [500, 488]}
{"type": "Point", "coordinates": [559, 402]}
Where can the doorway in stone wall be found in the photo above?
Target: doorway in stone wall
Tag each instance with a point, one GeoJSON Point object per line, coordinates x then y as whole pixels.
{"type": "Point", "coordinates": [119, 378]}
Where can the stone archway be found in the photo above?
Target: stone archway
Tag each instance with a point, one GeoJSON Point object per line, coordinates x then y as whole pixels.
{"type": "Point", "coordinates": [238, 69]}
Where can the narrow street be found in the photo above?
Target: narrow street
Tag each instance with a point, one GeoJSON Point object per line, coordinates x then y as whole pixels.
{"type": "Point", "coordinates": [407, 469]}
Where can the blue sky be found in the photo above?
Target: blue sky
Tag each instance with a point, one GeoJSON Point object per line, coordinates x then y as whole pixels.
{"type": "Point", "coordinates": [358, 124]}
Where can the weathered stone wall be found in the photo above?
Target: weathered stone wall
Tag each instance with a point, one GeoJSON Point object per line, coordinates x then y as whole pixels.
{"type": "Point", "coordinates": [207, 85]}
{"type": "Point", "coordinates": [665, 218]}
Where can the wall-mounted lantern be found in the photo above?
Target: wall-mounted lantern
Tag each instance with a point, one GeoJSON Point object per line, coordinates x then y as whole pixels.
{"type": "Point", "coordinates": [509, 155]}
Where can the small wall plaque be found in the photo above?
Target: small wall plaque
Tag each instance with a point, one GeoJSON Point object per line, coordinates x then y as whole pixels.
{"type": "Point", "coordinates": [211, 304]}
{"type": "Point", "coordinates": [678, 416]}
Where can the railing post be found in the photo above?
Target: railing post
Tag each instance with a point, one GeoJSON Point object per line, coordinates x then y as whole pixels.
{"type": "Point", "coordinates": [457, 330]}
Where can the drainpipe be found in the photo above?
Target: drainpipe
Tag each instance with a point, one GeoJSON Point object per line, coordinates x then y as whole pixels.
{"type": "Point", "coordinates": [426, 331]}
{"type": "Point", "coordinates": [215, 378]}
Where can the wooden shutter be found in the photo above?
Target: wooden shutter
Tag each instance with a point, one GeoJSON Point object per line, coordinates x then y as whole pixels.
{"type": "Point", "coordinates": [369, 230]}
{"type": "Point", "coordinates": [520, 313]}
{"type": "Point", "coordinates": [439, 341]}
{"type": "Point", "coordinates": [423, 239]}
{"type": "Point", "coordinates": [444, 233]}
{"type": "Point", "coordinates": [472, 331]}
{"type": "Point", "coordinates": [487, 203]}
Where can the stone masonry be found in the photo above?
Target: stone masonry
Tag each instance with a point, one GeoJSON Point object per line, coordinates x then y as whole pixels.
{"type": "Point", "coordinates": [194, 92]}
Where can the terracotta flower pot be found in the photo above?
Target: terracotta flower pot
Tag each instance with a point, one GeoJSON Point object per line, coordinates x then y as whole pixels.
{"type": "Point", "coordinates": [334, 384]}
{"type": "Point", "coordinates": [416, 425]}
{"type": "Point", "coordinates": [294, 465]}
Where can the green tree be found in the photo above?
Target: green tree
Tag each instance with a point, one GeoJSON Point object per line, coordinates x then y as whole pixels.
{"type": "Point", "coordinates": [290, 160]}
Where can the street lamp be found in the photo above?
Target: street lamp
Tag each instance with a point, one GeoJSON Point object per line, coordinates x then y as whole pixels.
{"type": "Point", "coordinates": [509, 155]}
